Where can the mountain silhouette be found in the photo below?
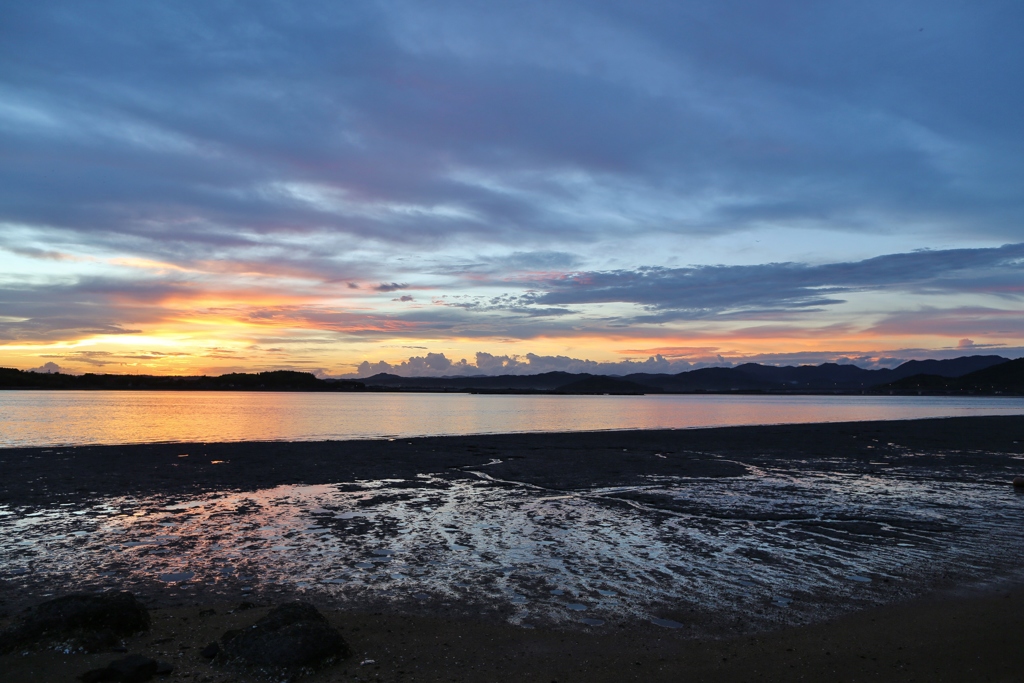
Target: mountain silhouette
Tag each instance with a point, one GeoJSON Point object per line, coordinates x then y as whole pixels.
{"type": "Point", "coordinates": [968, 374]}
{"type": "Point", "coordinates": [1004, 378]}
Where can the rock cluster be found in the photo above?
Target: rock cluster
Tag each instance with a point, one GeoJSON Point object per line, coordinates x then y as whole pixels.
{"type": "Point", "coordinates": [80, 622]}
{"type": "Point", "coordinates": [294, 636]}
{"type": "Point", "coordinates": [130, 669]}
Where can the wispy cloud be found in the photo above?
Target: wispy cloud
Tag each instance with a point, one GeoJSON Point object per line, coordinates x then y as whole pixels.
{"type": "Point", "coordinates": [501, 130]}
{"type": "Point", "coordinates": [538, 174]}
{"type": "Point", "coordinates": [702, 291]}
{"type": "Point", "coordinates": [391, 286]}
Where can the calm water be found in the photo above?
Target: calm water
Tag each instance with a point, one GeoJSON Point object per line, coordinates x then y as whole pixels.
{"type": "Point", "coordinates": [42, 418]}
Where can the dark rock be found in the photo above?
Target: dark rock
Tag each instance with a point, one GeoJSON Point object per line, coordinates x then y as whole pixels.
{"type": "Point", "coordinates": [244, 605]}
{"type": "Point", "coordinates": [1018, 482]}
{"type": "Point", "coordinates": [97, 675]}
{"type": "Point", "coordinates": [89, 622]}
{"type": "Point", "coordinates": [291, 636]}
{"type": "Point", "coordinates": [131, 669]}
{"type": "Point", "coordinates": [210, 651]}
{"type": "Point", "coordinates": [94, 641]}
{"type": "Point", "coordinates": [164, 668]}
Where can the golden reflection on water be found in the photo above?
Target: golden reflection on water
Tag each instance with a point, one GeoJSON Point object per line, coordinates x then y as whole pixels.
{"type": "Point", "coordinates": [40, 418]}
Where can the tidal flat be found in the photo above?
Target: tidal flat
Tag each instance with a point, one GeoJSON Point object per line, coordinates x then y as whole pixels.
{"type": "Point", "coordinates": [594, 543]}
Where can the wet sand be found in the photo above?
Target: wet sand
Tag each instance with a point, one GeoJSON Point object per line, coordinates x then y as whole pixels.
{"type": "Point", "coordinates": [37, 476]}
{"type": "Point", "coordinates": [913, 618]}
{"type": "Point", "coordinates": [948, 637]}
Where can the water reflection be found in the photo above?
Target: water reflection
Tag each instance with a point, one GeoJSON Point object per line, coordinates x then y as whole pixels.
{"type": "Point", "coordinates": [766, 546]}
{"type": "Point", "coordinates": [41, 418]}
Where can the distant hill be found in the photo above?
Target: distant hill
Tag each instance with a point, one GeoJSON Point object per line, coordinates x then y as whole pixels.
{"type": "Point", "coordinates": [1004, 378]}
{"type": "Point", "coordinates": [277, 380]}
{"type": "Point", "coordinates": [704, 379]}
{"type": "Point", "coordinates": [939, 376]}
{"type": "Point", "coordinates": [750, 377]}
{"type": "Point", "coordinates": [832, 376]}
{"type": "Point", "coordinates": [954, 367]}
{"type": "Point", "coordinates": [601, 384]}
{"type": "Point", "coordinates": [548, 381]}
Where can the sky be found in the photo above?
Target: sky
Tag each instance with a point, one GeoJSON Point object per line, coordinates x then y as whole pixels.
{"type": "Point", "coordinates": [460, 187]}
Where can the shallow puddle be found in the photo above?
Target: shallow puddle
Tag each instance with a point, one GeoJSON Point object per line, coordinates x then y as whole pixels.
{"type": "Point", "coordinates": [769, 547]}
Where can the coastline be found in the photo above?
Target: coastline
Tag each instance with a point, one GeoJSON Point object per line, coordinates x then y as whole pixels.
{"type": "Point", "coordinates": [929, 629]}
{"type": "Point", "coordinates": [942, 637]}
{"type": "Point", "coordinates": [36, 475]}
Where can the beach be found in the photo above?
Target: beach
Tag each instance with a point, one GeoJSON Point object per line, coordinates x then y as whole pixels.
{"type": "Point", "coordinates": [954, 637]}
{"type": "Point", "coordinates": [842, 551]}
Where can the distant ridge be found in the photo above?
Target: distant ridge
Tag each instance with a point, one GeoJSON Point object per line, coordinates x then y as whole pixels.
{"type": "Point", "coordinates": [1005, 378]}
{"type": "Point", "coordinates": [547, 381]}
{"type": "Point", "coordinates": [968, 374]}
{"type": "Point", "coordinates": [599, 384]}
{"type": "Point", "coordinates": [750, 377]}
{"type": "Point", "coordinates": [277, 380]}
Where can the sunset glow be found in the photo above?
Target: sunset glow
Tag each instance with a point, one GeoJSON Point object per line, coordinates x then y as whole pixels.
{"type": "Point", "coordinates": [448, 189]}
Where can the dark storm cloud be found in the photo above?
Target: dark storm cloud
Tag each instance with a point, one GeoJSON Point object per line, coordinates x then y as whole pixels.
{"type": "Point", "coordinates": [774, 288]}
{"type": "Point", "coordinates": [193, 130]}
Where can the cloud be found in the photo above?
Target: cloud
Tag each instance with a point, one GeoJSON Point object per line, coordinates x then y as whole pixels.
{"type": "Point", "coordinates": [528, 262]}
{"type": "Point", "coordinates": [35, 253]}
{"type": "Point", "coordinates": [438, 365]}
{"type": "Point", "coordinates": [674, 351]}
{"type": "Point", "coordinates": [537, 170]}
{"type": "Point", "coordinates": [94, 358]}
{"type": "Point", "coordinates": [48, 367]}
{"type": "Point", "coordinates": [703, 291]}
{"type": "Point", "coordinates": [568, 119]}
{"type": "Point", "coordinates": [763, 301]}
{"type": "Point", "coordinates": [58, 328]}
{"type": "Point", "coordinates": [59, 309]}
{"type": "Point", "coordinates": [521, 304]}
{"type": "Point", "coordinates": [977, 321]}
{"type": "Point", "coordinates": [430, 365]}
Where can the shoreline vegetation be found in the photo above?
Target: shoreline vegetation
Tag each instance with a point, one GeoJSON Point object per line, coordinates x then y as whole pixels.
{"type": "Point", "coordinates": [947, 630]}
{"type": "Point", "coordinates": [968, 375]}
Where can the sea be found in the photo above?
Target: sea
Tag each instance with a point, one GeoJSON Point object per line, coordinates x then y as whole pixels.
{"type": "Point", "coordinates": [782, 542]}
{"type": "Point", "coordinates": [58, 418]}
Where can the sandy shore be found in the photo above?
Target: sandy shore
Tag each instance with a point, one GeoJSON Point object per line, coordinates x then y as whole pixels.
{"type": "Point", "coordinates": [953, 625]}
{"type": "Point", "coordinates": [955, 637]}
{"type": "Point", "coordinates": [39, 476]}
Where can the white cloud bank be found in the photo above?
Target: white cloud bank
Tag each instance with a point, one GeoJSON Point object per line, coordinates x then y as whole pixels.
{"type": "Point", "coordinates": [439, 365]}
